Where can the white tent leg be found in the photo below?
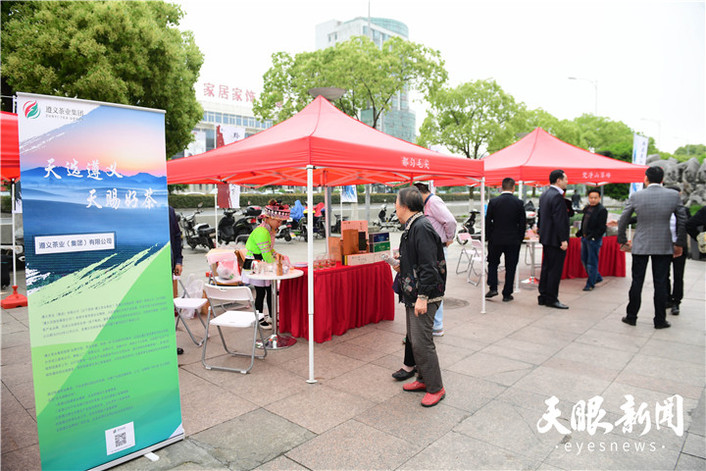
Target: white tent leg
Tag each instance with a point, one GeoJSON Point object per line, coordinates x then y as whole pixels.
{"type": "Point", "coordinates": [310, 265]}
{"type": "Point", "coordinates": [482, 241]}
{"type": "Point", "coordinates": [517, 272]}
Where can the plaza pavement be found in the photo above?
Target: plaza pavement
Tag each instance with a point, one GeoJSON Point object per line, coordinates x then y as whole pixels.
{"type": "Point", "coordinates": [498, 368]}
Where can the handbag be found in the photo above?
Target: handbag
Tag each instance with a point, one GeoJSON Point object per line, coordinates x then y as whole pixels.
{"type": "Point", "coordinates": [396, 284]}
{"type": "Point", "coordinates": [701, 239]}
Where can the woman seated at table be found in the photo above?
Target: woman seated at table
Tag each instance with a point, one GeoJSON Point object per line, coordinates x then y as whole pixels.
{"type": "Point", "coordinates": [261, 246]}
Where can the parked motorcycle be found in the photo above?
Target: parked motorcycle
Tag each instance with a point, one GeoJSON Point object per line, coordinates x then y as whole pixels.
{"type": "Point", "coordinates": [390, 222]}
{"type": "Point", "coordinates": [468, 227]}
{"type": "Point", "coordinates": [229, 228]}
{"type": "Point", "coordinates": [196, 234]}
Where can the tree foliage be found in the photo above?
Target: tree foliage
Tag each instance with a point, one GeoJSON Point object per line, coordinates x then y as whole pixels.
{"type": "Point", "coordinates": [470, 118]}
{"type": "Point", "coordinates": [114, 51]}
{"type": "Point", "coordinates": [371, 76]}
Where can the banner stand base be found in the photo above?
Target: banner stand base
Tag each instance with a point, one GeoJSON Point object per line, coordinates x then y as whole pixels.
{"type": "Point", "coordinates": [144, 452]}
{"type": "Point", "coordinates": [14, 300]}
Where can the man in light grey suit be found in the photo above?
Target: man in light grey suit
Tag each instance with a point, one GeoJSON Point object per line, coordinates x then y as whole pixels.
{"type": "Point", "coordinates": [654, 206]}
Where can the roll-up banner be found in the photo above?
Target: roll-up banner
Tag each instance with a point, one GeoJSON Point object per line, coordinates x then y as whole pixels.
{"type": "Point", "coordinates": [639, 156]}
{"type": "Point", "coordinates": [99, 285]}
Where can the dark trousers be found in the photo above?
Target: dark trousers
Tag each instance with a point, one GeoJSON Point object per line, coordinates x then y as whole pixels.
{"type": "Point", "coordinates": [512, 255]}
{"type": "Point", "coordinates": [262, 292]}
{"type": "Point", "coordinates": [419, 335]}
{"type": "Point", "coordinates": [589, 257]}
{"type": "Point", "coordinates": [677, 292]}
{"type": "Point", "coordinates": [660, 278]}
{"type": "Point", "coordinates": [550, 275]}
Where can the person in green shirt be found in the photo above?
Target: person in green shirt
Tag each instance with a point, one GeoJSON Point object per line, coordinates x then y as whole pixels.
{"type": "Point", "coordinates": [261, 246]}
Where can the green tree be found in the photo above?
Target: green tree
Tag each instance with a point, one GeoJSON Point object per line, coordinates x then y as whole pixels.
{"type": "Point", "coordinates": [115, 51]}
{"type": "Point", "coordinates": [371, 76]}
{"type": "Point", "coordinates": [689, 151]}
{"type": "Point", "coordinates": [470, 118]}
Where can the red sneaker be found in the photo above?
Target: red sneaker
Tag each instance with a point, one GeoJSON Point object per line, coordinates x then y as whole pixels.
{"type": "Point", "coordinates": [432, 399]}
{"type": "Point", "coordinates": [415, 386]}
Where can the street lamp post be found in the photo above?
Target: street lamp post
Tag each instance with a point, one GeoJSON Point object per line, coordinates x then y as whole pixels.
{"type": "Point", "coordinates": [595, 90]}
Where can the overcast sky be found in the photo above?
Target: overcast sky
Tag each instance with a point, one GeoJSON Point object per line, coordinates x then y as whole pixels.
{"type": "Point", "coordinates": [648, 57]}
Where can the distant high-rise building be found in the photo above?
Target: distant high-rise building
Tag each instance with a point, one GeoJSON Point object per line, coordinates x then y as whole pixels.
{"type": "Point", "coordinates": [399, 121]}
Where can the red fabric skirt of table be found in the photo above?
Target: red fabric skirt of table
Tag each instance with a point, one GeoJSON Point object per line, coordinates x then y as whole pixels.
{"type": "Point", "coordinates": [344, 298]}
{"type": "Point", "coordinates": [611, 260]}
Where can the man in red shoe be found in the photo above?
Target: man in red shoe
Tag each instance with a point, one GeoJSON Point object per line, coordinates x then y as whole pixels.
{"type": "Point", "coordinates": [422, 283]}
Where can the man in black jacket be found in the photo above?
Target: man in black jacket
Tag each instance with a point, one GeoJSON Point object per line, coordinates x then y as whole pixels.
{"type": "Point", "coordinates": [553, 223]}
{"type": "Point", "coordinates": [422, 275]}
{"type": "Point", "coordinates": [593, 226]}
{"type": "Point", "coordinates": [505, 224]}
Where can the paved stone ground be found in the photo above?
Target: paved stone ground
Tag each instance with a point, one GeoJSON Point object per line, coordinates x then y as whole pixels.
{"type": "Point", "coordinates": [499, 368]}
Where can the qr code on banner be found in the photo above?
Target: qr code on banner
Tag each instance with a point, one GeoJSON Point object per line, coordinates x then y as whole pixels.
{"type": "Point", "coordinates": [120, 438]}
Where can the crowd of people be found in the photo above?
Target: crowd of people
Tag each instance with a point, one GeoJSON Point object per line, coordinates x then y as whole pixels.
{"type": "Point", "coordinates": [661, 227]}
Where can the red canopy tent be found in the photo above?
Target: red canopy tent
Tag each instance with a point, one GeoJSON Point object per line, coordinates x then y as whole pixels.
{"type": "Point", "coordinates": [342, 150]}
{"type": "Point", "coordinates": [10, 170]}
{"type": "Point", "coordinates": [320, 146]}
{"type": "Point", "coordinates": [10, 150]}
{"type": "Point", "coordinates": [532, 158]}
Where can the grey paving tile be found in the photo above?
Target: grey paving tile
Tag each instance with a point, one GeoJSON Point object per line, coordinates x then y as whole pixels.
{"type": "Point", "coordinates": [690, 463]}
{"type": "Point", "coordinates": [405, 418]}
{"type": "Point", "coordinates": [521, 350]}
{"type": "Point", "coordinates": [319, 408]}
{"type": "Point", "coordinates": [353, 446]}
{"type": "Point", "coordinates": [623, 338]}
{"type": "Point", "coordinates": [593, 370]}
{"type": "Point", "coordinates": [22, 459]}
{"type": "Point", "coordinates": [492, 368]}
{"type": "Point", "coordinates": [468, 393]}
{"type": "Point", "coordinates": [16, 354]}
{"type": "Point", "coordinates": [364, 353]}
{"type": "Point", "coordinates": [327, 365]}
{"type": "Point", "coordinates": [252, 439]}
{"type": "Point", "coordinates": [549, 337]}
{"type": "Point", "coordinates": [456, 451]}
{"type": "Point", "coordinates": [698, 417]}
{"type": "Point", "coordinates": [13, 375]}
{"type": "Point", "coordinates": [24, 393]}
{"type": "Point", "coordinates": [210, 406]}
{"type": "Point", "coordinates": [695, 445]}
{"type": "Point", "coordinates": [281, 463]}
{"type": "Point", "coordinates": [370, 382]}
{"type": "Point", "coordinates": [184, 455]}
{"type": "Point", "coordinates": [19, 428]}
{"type": "Point", "coordinates": [566, 385]}
{"type": "Point", "coordinates": [266, 383]}
{"type": "Point", "coordinates": [511, 428]}
{"type": "Point", "coordinates": [573, 324]}
{"type": "Point", "coordinates": [667, 387]}
{"type": "Point", "coordinates": [671, 370]}
{"type": "Point", "coordinates": [600, 356]}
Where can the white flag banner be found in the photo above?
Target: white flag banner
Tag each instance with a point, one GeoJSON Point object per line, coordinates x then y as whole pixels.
{"type": "Point", "coordinates": [639, 156]}
{"type": "Point", "coordinates": [232, 134]}
{"type": "Point", "coordinates": [198, 145]}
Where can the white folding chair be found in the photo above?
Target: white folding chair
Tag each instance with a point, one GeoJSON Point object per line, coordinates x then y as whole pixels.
{"type": "Point", "coordinates": [475, 256]}
{"type": "Point", "coordinates": [222, 298]}
{"type": "Point", "coordinates": [186, 303]}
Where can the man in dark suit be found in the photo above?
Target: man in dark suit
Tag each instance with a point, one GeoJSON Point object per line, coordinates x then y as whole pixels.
{"type": "Point", "coordinates": [505, 224]}
{"type": "Point", "coordinates": [553, 223]}
{"type": "Point", "coordinates": [654, 206]}
{"type": "Point", "coordinates": [593, 226]}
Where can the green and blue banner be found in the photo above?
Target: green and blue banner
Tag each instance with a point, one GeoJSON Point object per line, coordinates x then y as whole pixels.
{"type": "Point", "coordinates": [99, 286]}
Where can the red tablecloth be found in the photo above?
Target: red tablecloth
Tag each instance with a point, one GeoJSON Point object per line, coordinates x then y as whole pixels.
{"type": "Point", "coordinates": [611, 260]}
{"type": "Point", "coordinates": [344, 298]}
